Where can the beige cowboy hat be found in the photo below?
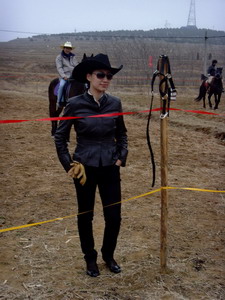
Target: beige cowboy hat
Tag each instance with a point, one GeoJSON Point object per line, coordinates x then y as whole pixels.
{"type": "Point", "coordinates": [67, 45]}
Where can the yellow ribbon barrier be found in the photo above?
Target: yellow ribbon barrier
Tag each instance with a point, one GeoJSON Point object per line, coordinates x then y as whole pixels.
{"type": "Point", "coordinates": [191, 189]}
{"type": "Point", "coordinates": [129, 199]}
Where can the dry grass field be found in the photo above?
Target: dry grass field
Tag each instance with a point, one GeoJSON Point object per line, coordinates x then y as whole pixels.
{"type": "Point", "coordinates": [45, 261]}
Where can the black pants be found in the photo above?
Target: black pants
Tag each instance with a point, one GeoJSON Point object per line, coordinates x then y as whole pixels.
{"type": "Point", "coordinates": [108, 181]}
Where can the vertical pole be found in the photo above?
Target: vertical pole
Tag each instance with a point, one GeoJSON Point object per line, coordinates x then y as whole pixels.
{"type": "Point", "coordinates": [164, 193]}
{"type": "Point", "coordinates": [205, 54]}
{"type": "Point", "coordinates": [164, 174]}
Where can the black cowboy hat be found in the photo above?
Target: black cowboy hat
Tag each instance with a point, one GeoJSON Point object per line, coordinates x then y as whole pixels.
{"type": "Point", "coordinates": [90, 64]}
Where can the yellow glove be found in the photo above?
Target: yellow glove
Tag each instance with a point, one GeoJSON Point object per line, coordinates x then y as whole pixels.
{"type": "Point", "coordinates": [78, 171]}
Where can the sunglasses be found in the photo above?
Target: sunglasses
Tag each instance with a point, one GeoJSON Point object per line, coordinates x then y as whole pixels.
{"type": "Point", "coordinates": [101, 75]}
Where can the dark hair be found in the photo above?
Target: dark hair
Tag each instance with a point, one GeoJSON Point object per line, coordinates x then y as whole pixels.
{"type": "Point", "coordinates": [214, 61]}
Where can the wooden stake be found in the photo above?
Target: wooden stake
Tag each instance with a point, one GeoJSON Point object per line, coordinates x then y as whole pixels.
{"type": "Point", "coordinates": [164, 172]}
{"type": "Point", "coordinates": [164, 194]}
{"type": "Point", "coordinates": [163, 71]}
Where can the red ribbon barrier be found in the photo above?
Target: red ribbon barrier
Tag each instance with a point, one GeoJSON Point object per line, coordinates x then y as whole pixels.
{"type": "Point", "coordinates": [110, 115]}
{"type": "Point", "coordinates": [198, 112]}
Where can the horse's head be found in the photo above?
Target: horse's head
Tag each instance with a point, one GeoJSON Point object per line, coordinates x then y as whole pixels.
{"type": "Point", "coordinates": [219, 73]}
{"type": "Point", "coordinates": [86, 57]}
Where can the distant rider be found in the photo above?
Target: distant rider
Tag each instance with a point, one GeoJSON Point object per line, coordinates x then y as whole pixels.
{"type": "Point", "coordinates": [65, 63]}
{"type": "Point", "coordinates": [212, 73]}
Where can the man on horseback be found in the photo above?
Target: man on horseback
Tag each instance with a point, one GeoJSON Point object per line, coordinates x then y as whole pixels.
{"type": "Point", "coordinates": [65, 63]}
{"type": "Point", "coordinates": [212, 85]}
{"type": "Point", "coordinates": [211, 74]}
{"type": "Point", "coordinates": [211, 71]}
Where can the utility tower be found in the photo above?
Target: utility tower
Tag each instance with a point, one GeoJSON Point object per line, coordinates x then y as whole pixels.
{"type": "Point", "coordinates": [191, 17]}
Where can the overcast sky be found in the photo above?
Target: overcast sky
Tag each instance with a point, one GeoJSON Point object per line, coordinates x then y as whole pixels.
{"type": "Point", "coordinates": [28, 17]}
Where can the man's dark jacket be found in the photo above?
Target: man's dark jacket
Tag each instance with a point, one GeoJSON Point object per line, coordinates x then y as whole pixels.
{"type": "Point", "coordinates": [211, 70]}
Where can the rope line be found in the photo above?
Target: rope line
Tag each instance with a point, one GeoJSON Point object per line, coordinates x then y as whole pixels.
{"type": "Point", "coordinates": [111, 115]}
{"type": "Point", "coordinates": [191, 189]}
{"type": "Point", "coordinates": [129, 199]}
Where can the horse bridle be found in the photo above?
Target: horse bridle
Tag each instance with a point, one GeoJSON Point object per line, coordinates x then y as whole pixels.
{"type": "Point", "coordinates": [218, 73]}
{"type": "Point", "coordinates": [167, 93]}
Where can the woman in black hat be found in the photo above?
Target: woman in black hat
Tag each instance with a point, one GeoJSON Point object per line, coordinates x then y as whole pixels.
{"type": "Point", "coordinates": [100, 151]}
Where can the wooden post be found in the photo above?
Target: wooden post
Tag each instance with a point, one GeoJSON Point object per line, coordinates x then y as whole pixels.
{"type": "Point", "coordinates": [164, 193]}
{"type": "Point", "coordinates": [166, 87]}
{"type": "Point", "coordinates": [164, 174]}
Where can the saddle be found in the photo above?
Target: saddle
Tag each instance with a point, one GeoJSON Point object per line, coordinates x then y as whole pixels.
{"type": "Point", "coordinates": [205, 81]}
{"type": "Point", "coordinates": [203, 77]}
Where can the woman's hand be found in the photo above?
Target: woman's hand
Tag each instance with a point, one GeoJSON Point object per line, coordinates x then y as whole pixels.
{"type": "Point", "coordinates": [118, 163]}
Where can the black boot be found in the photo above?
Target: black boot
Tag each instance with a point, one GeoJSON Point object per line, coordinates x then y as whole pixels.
{"type": "Point", "coordinates": [112, 265]}
{"type": "Point", "coordinates": [92, 268]}
{"type": "Point", "coordinates": [91, 261]}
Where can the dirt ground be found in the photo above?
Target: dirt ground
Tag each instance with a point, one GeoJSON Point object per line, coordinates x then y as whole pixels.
{"type": "Point", "coordinates": [45, 261]}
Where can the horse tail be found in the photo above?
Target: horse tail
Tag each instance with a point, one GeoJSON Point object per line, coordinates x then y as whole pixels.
{"type": "Point", "coordinates": [52, 97]}
{"type": "Point", "coordinates": [53, 111]}
{"type": "Point", "coordinates": [202, 92]}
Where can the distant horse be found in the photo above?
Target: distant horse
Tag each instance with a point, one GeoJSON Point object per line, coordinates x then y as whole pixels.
{"type": "Point", "coordinates": [216, 88]}
{"type": "Point", "coordinates": [73, 88]}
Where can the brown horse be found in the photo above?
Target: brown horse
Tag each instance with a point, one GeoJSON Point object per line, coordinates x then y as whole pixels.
{"type": "Point", "coordinates": [216, 89]}
{"type": "Point", "coordinates": [73, 88]}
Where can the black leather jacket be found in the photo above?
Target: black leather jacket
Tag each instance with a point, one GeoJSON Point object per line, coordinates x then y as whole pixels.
{"type": "Point", "coordinates": [101, 141]}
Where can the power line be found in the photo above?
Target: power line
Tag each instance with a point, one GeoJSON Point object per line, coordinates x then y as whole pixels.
{"type": "Point", "coordinates": [15, 31]}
